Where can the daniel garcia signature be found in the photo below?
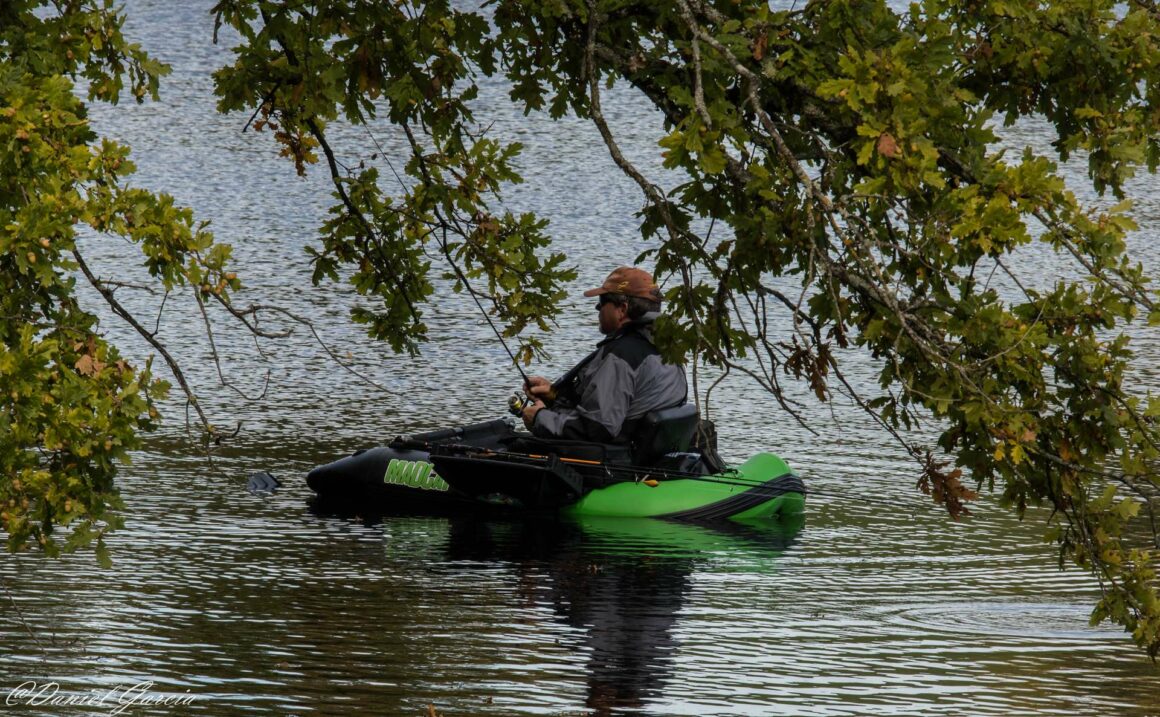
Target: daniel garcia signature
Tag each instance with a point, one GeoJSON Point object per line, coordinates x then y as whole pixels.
{"type": "Point", "coordinates": [117, 700]}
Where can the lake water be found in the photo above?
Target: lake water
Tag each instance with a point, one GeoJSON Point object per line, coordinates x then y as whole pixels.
{"type": "Point", "coordinates": [235, 604]}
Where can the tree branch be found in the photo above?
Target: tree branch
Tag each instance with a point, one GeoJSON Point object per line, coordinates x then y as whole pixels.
{"type": "Point", "coordinates": [174, 368]}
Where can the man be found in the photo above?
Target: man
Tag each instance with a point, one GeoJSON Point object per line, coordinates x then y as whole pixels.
{"type": "Point", "coordinates": [602, 398]}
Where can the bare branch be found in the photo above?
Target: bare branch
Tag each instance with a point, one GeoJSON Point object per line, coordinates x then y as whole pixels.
{"type": "Point", "coordinates": [254, 310]}
{"type": "Point", "coordinates": [217, 359]}
{"type": "Point", "coordinates": [174, 368]}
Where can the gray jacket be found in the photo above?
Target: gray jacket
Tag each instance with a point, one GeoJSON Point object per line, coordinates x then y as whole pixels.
{"type": "Point", "coordinates": [623, 380]}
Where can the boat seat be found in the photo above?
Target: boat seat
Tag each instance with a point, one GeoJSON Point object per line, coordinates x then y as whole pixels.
{"type": "Point", "coordinates": [666, 430]}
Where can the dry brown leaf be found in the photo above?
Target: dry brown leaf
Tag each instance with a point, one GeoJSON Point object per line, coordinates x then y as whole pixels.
{"type": "Point", "coordinates": [88, 366]}
{"type": "Point", "coordinates": [887, 147]}
{"type": "Point", "coordinates": [759, 46]}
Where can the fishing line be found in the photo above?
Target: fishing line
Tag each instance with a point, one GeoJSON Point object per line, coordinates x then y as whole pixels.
{"type": "Point", "coordinates": [609, 468]}
{"type": "Point", "coordinates": [851, 496]}
{"type": "Point", "coordinates": [463, 278]}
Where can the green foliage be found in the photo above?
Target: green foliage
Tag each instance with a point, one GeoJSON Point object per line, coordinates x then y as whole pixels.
{"type": "Point", "coordinates": [303, 68]}
{"type": "Point", "coordinates": [844, 143]}
{"type": "Point", "coordinates": [71, 409]}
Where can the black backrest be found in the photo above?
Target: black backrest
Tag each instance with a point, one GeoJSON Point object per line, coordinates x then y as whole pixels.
{"type": "Point", "coordinates": [666, 430]}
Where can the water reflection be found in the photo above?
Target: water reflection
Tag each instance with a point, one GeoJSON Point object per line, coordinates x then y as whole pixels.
{"type": "Point", "coordinates": [257, 606]}
{"type": "Point", "coordinates": [618, 584]}
{"type": "Point", "coordinates": [621, 583]}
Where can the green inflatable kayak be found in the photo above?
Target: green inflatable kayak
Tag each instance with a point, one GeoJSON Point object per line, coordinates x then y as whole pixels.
{"type": "Point", "coordinates": [491, 466]}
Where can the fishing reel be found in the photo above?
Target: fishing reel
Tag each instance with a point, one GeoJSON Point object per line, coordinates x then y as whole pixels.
{"type": "Point", "coordinates": [518, 402]}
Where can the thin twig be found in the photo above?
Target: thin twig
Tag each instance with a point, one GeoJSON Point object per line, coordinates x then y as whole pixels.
{"type": "Point", "coordinates": [254, 310]}
{"type": "Point", "coordinates": [217, 358]}
{"type": "Point", "coordinates": [21, 619]}
{"type": "Point", "coordinates": [121, 311]}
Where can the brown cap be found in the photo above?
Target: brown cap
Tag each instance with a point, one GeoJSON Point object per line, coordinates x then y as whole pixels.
{"type": "Point", "coordinates": [630, 281]}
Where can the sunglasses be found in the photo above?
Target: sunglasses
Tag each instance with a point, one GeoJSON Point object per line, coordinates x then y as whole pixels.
{"type": "Point", "coordinates": [608, 299]}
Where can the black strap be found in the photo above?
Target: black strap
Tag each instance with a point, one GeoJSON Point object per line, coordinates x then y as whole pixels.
{"type": "Point", "coordinates": [565, 386]}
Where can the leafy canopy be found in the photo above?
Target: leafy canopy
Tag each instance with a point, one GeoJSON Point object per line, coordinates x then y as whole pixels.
{"type": "Point", "coordinates": [845, 143]}
{"type": "Point", "coordinates": [71, 409]}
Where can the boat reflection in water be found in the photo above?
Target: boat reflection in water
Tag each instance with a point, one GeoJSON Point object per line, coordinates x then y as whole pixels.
{"type": "Point", "coordinates": [622, 582]}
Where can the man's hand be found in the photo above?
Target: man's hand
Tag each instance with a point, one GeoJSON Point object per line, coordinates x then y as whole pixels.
{"type": "Point", "coordinates": [530, 412]}
{"type": "Point", "coordinates": [538, 387]}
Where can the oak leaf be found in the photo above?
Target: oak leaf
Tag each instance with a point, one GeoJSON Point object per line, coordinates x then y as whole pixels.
{"type": "Point", "coordinates": [887, 146]}
{"type": "Point", "coordinates": [88, 366]}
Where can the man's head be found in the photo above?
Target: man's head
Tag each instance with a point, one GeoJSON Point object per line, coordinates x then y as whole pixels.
{"type": "Point", "coordinates": [626, 295]}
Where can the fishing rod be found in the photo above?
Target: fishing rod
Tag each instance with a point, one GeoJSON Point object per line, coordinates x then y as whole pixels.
{"type": "Point", "coordinates": [516, 404]}
{"type": "Point", "coordinates": [610, 468]}
{"type": "Point", "coordinates": [624, 469]}
{"type": "Point", "coordinates": [668, 474]}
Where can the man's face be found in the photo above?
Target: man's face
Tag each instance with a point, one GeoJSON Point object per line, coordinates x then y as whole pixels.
{"type": "Point", "coordinates": [613, 314]}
